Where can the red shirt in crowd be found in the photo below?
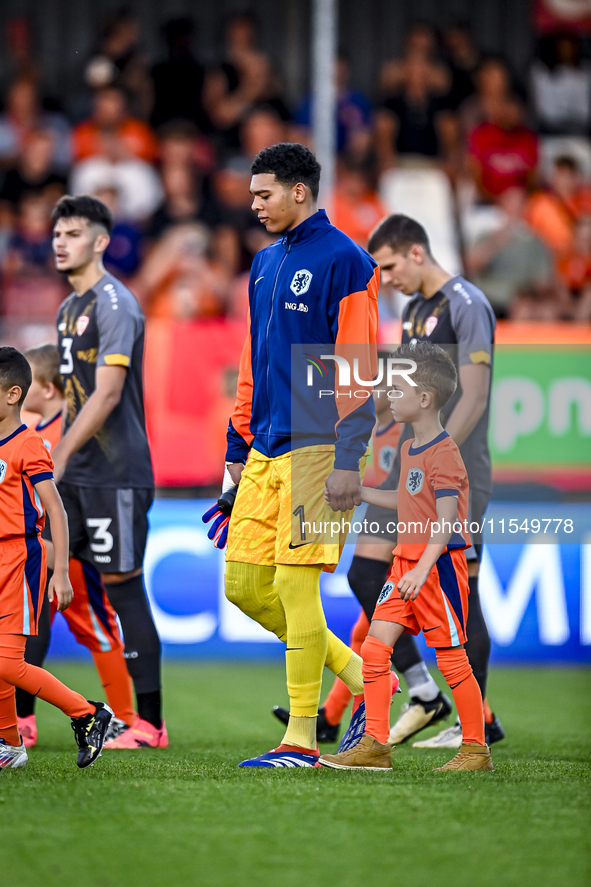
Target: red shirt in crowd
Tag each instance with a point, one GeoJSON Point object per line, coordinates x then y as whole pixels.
{"type": "Point", "coordinates": [506, 157]}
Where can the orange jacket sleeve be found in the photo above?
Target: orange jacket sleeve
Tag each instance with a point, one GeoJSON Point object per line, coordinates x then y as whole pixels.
{"type": "Point", "coordinates": [356, 341]}
{"type": "Point", "coordinates": [239, 438]}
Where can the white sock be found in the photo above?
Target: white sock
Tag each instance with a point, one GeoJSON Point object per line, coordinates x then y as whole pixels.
{"type": "Point", "coordinates": [420, 683]}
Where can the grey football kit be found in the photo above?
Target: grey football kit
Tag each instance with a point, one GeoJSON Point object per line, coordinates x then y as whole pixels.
{"type": "Point", "coordinates": [108, 484]}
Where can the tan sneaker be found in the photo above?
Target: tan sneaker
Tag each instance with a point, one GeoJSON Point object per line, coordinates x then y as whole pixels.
{"type": "Point", "coordinates": [471, 756]}
{"type": "Point", "coordinates": [368, 754]}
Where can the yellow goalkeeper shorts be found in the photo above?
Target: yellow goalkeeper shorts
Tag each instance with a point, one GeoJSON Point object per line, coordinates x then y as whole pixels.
{"type": "Point", "coordinates": [280, 516]}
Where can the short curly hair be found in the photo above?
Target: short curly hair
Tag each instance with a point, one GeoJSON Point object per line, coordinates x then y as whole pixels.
{"type": "Point", "coordinates": [290, 163]}
{"type": "Point", "coordinates": [435, 372]}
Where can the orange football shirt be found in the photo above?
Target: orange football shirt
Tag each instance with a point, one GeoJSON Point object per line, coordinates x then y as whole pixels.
{"type": "Point", "coordinates": [24, 461]}
{"type": "Point", "coordinates": [428, 473]}
{"type": "Point", "coordinates": [50, 431]}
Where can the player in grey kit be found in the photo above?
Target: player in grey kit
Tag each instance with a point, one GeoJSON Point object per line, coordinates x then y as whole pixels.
{"type": "Point", "coordinates": [102, 461]}
{"type": "Point", "coordinates": [451, 312]}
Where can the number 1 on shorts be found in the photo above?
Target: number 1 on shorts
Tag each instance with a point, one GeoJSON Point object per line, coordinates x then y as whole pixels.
{"type": "Point", "coordinates": [299, 512]}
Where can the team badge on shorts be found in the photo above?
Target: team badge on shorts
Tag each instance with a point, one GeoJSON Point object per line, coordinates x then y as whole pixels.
{"type": "Point", "coordinates": [385, 592]}
{"type": "Point", "coordinates": [414, 481]}
{"type": "Point", "coordinates": [3, 467]}
{"type": "Point", "coordinates": [301, 282]}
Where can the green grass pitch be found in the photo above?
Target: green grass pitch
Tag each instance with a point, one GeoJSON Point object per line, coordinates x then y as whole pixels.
{"type": "Point", "coordinates": [189, 816]}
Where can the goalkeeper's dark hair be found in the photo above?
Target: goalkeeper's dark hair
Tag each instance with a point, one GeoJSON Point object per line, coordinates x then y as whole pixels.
{"type": "Point", "coordinates": [435, 372]}
{"type": "Point", "coordinates": [83, 206]}
{"type": "Point", "coordinates": [399, 233]}
{"type": "Point", "coordinates": [14, 370]}
{"type": "Point", "coordinates": [290, 163]}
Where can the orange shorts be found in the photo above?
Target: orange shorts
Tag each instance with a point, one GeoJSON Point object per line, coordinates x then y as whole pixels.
{"type": "Point", "coordinates": [440, 610]}
{"type": "Point", "coordinates": [90, 617]}
{"type": "Point", "coordinates": [23, 573]}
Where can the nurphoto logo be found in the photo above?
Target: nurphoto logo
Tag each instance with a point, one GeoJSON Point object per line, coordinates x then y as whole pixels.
{"type": "Point", "coordinates": [388, 368]}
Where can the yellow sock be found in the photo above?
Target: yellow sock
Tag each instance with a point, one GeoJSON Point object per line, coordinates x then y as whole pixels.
{"type": "Point", "coordinates": [300, 732]}
{"type": "Point", "coordinates": [338, 654]}
{"type": "Point", "coordinates": [351, 674]}
{"type": "Point", "coordinates": [252, 588]}
{"type": "Point", "coordinates": [307, 637]}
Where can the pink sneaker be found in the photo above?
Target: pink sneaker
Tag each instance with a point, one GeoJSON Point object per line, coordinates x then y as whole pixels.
{"type": "Point", "coordinates": [141, 734]}
{"type": "Point", "coordinates": [27, 727]}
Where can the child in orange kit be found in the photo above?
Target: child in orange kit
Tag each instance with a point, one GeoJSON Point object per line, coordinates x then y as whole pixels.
{"type": "Point", "coordinates": [427, 587]}
{"type": "Point", "coordinates": [90, 617]}
{"type": "Point", "coordinates": [27, 492]}
{"type": "Point", "coordinates": [384, 442]}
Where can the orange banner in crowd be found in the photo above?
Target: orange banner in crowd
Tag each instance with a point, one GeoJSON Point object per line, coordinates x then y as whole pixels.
{"type": "Point", "coordinates": [510, 333]}
{"type": "Point", "coordinates": [190, 386]}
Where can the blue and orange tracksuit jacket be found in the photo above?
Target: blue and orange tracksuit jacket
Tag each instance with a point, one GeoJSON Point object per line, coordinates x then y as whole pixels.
{"type": "Point", "coordinates": [313, 288]}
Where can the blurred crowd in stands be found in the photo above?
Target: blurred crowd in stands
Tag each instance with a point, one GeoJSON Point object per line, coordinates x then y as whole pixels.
{"type": "Point", "coordinates": [498, 171]}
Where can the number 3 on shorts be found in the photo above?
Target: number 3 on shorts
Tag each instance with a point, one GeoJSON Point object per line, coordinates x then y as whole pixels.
{"type": "Point", "coordinates": [103, 540]}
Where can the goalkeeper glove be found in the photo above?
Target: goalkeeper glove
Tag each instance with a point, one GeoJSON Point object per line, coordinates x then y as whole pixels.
{"type": "Point", "coordinates": [220, 514]}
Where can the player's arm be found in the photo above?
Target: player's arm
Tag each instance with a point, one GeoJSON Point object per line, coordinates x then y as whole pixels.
{"type": "Point", "coordinates": [91, 418]}
{"type": "Point", "coordinates": [239, 438]}
{"type": "Point", "coordinates": [357, 325]}
{"type": "Point", "coordinates": [411, 583]}
{"type": "Point", "coordinates": [64, 419]}
{"type": "Point", "coordinates": [475, 382]}
{"type": "Point", "coordinates": [60, 586]}
{"type": "Point", "coordinates": [474, 326]}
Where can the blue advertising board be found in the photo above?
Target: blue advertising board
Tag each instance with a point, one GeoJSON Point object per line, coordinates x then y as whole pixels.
{"type": "Point", "coordinates": [536, 597]}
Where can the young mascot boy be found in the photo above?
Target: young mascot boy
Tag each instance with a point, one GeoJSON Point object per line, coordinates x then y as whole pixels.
{"type": "Point", "coordinates": [427, 587]}
{"type": "Point", "coordinates": [90, 617]}
{"type": "Point", "coordinates": [27, 492]}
